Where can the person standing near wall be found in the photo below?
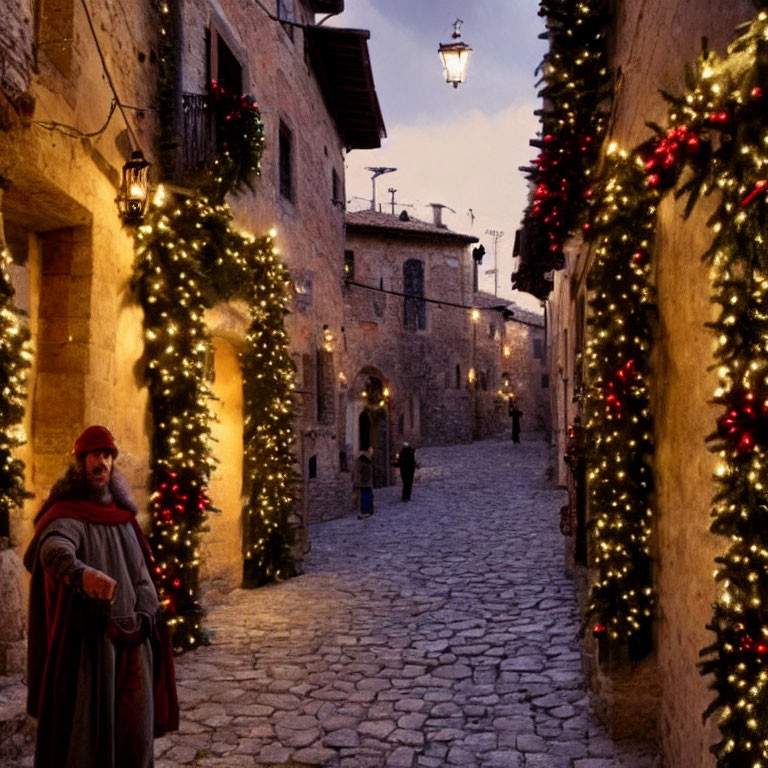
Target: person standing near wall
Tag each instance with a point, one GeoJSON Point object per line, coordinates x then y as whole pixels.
{"type": "Point", "coordinates": [406, 461]}
{"type": "Point", "coordinates": [100, 667]}
{"type": "Point", "coordinates": [364, 482]}
{"type": "Point", "coordinates": [516, 415]}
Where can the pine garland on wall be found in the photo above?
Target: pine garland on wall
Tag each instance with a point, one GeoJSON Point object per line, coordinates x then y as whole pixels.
{"type": "Point", "coordinates": [726, 112]}
{"type": "Point", "coordinates": [617, 419]}
{"type": "Point", "coordinates": [189, 257]}
{"type": "Point", "coordinates": [269, 381]}
{"type": "Point", "coordinates": [15, 359]}
{"type": "Point", "coordinates": [576, 88]}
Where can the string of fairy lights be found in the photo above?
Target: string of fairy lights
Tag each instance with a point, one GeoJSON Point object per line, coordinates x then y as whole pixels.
{"type": "Point", "coordinates": [189, 255]}
{"type": "Point", "coordinates": [724, 114]}
{"type": "Point", "coordinates": [716, 141]}
{"type": "Point", "coordinates": [618, 426]}
{"type": "Point", "coordinates": [576, 90]}
{"type": "Point", "coordinates": [15, 359]}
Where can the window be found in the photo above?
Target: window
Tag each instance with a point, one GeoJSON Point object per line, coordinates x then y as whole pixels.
{"type": "Point", "coordinates": [349, 265]}
{"type": "Point", "coordinates": [286, 161]}
{"type": "Point", "coordinates": [458, 376]}
{"type": "Point", "coordinates": [336, 197]}
{"type": "Point", "coordinates": [286, 13]}
{"type": "Point", "coordinates": [414, 306]}
{"type": "Point", "coordinates": [312, 468]}
{"type": "Point", "coordinates": [538, 348]}
{"type": "Point", "coordinates": [343, 464]}
{"type": "Point", "coordinates": [308, 386]}
{"type": "Point", "coordinates": [225, 68]}
{"type": "Point", "coordinates": [491, 331]}
{"type": "Point", "coordinates": [544, 380]}
{"type": "Point", "coordinates": [325, 380]}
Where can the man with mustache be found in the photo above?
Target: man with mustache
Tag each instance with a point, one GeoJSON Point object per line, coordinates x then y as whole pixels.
{"type": "Point", "coordinates": [100, 669]}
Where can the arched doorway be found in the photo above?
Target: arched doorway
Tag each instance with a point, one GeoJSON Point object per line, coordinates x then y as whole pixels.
{"type": "Point", "coordinates": [368, 415]}
{"type": "Point", "coordinates": [222, 563]}
{"type": "Point", "coordinates": [364, 431]}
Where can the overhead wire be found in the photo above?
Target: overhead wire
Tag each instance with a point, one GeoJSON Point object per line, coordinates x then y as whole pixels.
{"type": "Point", "coordinates": [71, 131]}
{"type": "Point", "coordinates": [503, 308]}
{"type": "Point", "coordinates": [131, 134]}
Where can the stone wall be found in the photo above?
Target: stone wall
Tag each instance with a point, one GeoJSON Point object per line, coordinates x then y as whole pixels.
{"type": "Point", "coordinates": [16, 52]}
{"type": "Point", "coordinates": [74, 258]}
{"type": "Point", "coordinates": [431, 403]}
{"type": "Point", "coordinates": [525, 361]}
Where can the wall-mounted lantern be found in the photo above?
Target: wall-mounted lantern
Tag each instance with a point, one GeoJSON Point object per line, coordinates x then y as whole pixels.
{"type": "Point", "coordinates": [455, 56]}
{"type": "Point", "coordinates": [134, 189]}
{"type": "Point", "coordinates": [328, 339]}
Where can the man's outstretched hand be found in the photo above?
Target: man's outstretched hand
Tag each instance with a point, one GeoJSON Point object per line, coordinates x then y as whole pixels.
{"type": "Point", "coordinates": [98, 584]}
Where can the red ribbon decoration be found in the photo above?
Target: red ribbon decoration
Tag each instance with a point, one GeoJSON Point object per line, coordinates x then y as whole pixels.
{"type": "Point", "coordinates": [615, 390]}
{"type": "Point", "coordinates": [743, 423]}
{"type": "Point", "coordinates": [760, 187]}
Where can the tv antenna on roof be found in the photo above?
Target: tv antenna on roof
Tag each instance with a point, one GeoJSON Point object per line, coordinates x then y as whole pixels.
{"type": "Point", "coordinates": [377, 171]}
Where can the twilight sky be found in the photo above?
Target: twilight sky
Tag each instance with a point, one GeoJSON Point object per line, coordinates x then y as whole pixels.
{"type": "Point", "coordinates": [457, 146]}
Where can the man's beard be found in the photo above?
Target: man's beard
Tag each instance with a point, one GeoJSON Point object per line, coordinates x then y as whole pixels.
{"type": "Point", "coordinates": [98, 490]}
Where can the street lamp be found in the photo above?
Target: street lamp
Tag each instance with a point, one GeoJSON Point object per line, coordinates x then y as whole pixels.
{"type": "Point", "coordinates": [132, 200]}
{"type": "Point", "coordinates": [455, 56]}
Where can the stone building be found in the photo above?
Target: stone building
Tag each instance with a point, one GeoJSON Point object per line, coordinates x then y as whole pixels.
{"type": "Point", "coordinates": [525, 365]}
{"type": "Point", "coordinates": [650, 42]}
{"type": "Point", "coordinates": [415, 330]}
{"type": "Point", "coordinates": [79, 93]}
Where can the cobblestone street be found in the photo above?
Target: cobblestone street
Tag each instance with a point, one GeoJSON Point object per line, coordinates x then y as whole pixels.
{"type": "Point", "coordinates": [439, 632]}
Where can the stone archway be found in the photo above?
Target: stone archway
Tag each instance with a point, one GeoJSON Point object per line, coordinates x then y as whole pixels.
{"type": "Point", "coordinates": [368, 423]}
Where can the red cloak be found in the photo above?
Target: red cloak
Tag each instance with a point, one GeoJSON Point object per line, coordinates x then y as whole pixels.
{"type": "Point", "coordinates": [52, 654]}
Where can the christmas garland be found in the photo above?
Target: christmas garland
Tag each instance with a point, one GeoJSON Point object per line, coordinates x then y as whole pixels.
{"type": "Point", "coordinates": [189, 257]}
{"type": "Point", "coordinates": [725, 115]}
{"type": "Point", "coordinates": [618, 426]}
{"type": "Point", "coordinates": [577, 84]}
{"type": "Point", "coordinates": [15, 358]}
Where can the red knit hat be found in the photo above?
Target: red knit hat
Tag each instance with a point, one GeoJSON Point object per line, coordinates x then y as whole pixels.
{"type": "Point", "coordinates": [95, 438]}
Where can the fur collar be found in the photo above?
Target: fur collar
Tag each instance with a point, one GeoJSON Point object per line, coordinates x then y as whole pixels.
{"type": "Point", "coordinates": [72, 487]}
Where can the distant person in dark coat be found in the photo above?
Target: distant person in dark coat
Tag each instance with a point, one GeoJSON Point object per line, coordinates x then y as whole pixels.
{"type": "Point", "coordinates": [516, 415]}
{"type": "Point", "coordinates": [364, 482]}
{"type": "Point", "coordinates": [406, 461]}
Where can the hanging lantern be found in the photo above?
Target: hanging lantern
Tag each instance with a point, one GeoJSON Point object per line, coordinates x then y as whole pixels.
{"type": "Point", "coordinates": [132, 200]}
{"type": "Point", "coordinates": [455, 56]}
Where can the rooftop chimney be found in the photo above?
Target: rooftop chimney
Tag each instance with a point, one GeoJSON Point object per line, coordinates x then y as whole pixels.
{"type": "Point", "coordinates": [437, 214]}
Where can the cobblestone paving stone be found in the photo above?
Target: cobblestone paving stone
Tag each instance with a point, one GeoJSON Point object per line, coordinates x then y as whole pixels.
{"type": "Point", "coordinates": [439, 632]}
